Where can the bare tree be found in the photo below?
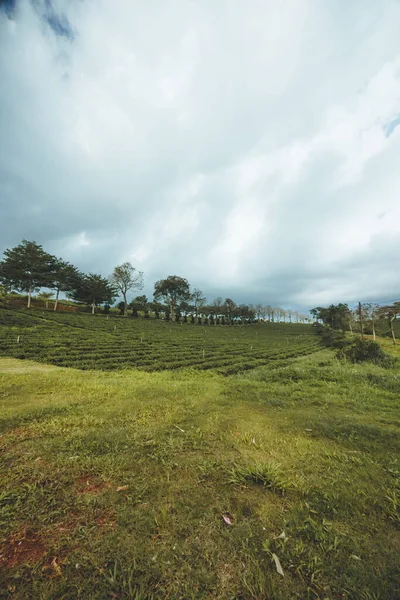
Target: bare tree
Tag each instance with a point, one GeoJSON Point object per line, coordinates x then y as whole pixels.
{"type": "Point", "coordinates": [371, 314]}
{"type": "Point", "coordinates": [199, 300]}
{"type": "Point", "coordinates": [259, 310]}
{"type": "Point", "coordinates": [126, 278]}
{"type": "Point", "coordinates": [217, 305]}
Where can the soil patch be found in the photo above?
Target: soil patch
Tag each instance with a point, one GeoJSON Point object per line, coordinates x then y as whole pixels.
{"type": "Point", "coordinates": [23, 547]}
{"type": "Point", "coordinates": [90, 484]}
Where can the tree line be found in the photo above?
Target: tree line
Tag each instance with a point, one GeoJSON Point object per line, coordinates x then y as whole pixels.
{"type": "Point", "coordinates": [28, 268]}
{"type": "Point", "coordinates": [364, 317]}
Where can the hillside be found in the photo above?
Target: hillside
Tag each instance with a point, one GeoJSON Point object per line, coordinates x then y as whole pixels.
{"type": "Point", "coordinates": [96, 342]}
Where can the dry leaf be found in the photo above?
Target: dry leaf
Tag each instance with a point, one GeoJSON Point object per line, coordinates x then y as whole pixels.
{"type": "Point", "coordinates": [56, 566]}
{"type": "Point", "coordinates": [355, 557]}
{"type": "Point", "coordinates": [227, 519]}
{"type": "Point", "coordinates": [277, 564]}
{"type": "Point", "coordinates": [122, 488]}
{"type": "Point", "coordinates": [282, 536]}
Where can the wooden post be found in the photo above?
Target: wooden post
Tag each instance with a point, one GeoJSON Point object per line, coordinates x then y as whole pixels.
{"type": "Point", "coordinates": [392, 329]}
{"type": "Point", "coordinates": [360, 314]}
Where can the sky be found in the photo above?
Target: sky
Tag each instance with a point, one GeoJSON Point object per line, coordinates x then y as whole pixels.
{"type": "Point", "coordinates": [251, 147]}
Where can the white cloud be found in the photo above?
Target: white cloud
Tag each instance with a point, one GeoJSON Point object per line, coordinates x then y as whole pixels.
{"type": "Point", "coordinates": [242, 146]}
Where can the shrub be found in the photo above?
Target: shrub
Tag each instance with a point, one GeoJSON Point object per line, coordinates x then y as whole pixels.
{"type": "Point", "coordinates": [366, 350]}
{"type": "Point", "coordinates": [334, 338]}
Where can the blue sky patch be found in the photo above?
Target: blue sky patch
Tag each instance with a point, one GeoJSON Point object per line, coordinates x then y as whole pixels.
{"type": "Point", "coordinates": [392, 126]}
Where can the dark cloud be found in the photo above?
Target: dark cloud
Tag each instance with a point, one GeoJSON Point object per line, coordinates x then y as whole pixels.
{"type": "Point", "coordinates": [254, 152]}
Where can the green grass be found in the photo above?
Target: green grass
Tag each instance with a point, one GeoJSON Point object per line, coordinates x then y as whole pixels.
{"type": "Point", "coordinates": [301, 457]}
{"type": "Point", "coordinates": [87, 342]}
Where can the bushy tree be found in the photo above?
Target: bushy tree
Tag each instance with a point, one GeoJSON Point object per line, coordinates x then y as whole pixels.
{"type": "Point", "coordinates": [64, 278]}
{"type": "Point", "coordinates": [173, 290]}
{"type": "Point", "coordinates": [4, 294]}
{"type": "Point", "coordinates": [140, 303]}
{"type": "Point", "coordinates": [94, 290]}
{"type": "Point", "coordinates": [27, 267]}
{"type": "Point", "coordinates": [229, 309]}
{"type": "Point", "coordinates": [126, 278]}
{"type": "Point", "coordinates": [337, 317]}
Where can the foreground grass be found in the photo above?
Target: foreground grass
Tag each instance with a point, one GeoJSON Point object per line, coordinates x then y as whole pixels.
{"type": "Point", "coordinates": [116, 485]}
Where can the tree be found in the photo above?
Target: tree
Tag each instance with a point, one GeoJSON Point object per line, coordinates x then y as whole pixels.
{"type": "Point", "coordinates": [126, 278]}
{"type": "Point", "coordinates": [138, 303]}
{"type": "Point", "coordinates": [64, 278]}
{"type": "Point", "coordinates": [316, 313]}
{"type": "Point", "coordinates": [281, 314]}
{"type": "Point", "coordinates": [217, 305]}
{"type": "Point", "coordinates": [174, 290]}
{"type": "Point", "coordinates": [156, 307]}
{"type": "Point", "coordinates": [46, 297]}
{"type": "Point", "coordinates": [360, 313]}
{"type": "Point", "coordinates": [198, 300]}
{"type": "Point", "coordinates": [390, 313]}
{"type": "Point", "coordinates": [260, 311]}
{"type": "Point", "coordinates": [230, 307]}
{"type": "Point", "coordinates": [141, 301]}
{"type": "Point", "coordinates": [4, 293]}
{"type": "Point", "coordinates": [27, 267]}
{"type": "Point", "coordinates": [94, 290]}
{"type": "Point", "coordinates": [371, 314]}
{"type": "Point", "coordinates": [337, 317]}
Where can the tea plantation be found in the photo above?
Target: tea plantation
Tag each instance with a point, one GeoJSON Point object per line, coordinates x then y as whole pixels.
{"type": "Point", "coordinates": [86, 342]}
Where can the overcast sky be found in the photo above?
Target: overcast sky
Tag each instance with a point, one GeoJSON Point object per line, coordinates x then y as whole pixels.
{"type": "Point", "coordinates": [252, 146]}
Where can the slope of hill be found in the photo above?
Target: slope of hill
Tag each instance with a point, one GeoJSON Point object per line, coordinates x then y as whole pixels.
{"type": "Point", "coordinates": [96, 342]}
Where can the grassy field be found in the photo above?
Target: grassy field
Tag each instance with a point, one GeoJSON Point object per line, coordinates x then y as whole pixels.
{"type": "Point", "coordinates": [95, 342]}
{"type": "Point", "coordinates": [189, 484]}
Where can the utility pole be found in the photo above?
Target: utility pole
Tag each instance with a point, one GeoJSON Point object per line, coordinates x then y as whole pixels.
{"type": "Point", "coordinates": [360, 314]}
